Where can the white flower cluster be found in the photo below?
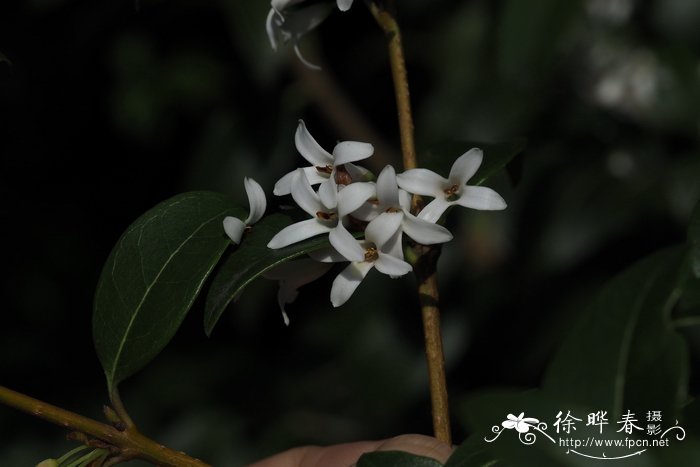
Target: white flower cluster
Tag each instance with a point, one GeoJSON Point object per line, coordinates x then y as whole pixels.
{"type": "Point", "coordinates": [347, 201]}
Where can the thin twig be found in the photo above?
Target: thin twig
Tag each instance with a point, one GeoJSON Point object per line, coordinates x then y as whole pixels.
{"type": "Point", "coordinates": [426, 275]}
{"type": "Point", "coordinates": [130, 443]}
{"type": "Point", "coordinates": [425, 266]}
{"type": "Point", "coordinates": [398, 72]}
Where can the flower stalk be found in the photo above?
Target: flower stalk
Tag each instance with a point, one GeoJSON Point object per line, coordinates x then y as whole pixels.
{"type": "Point", "coordinates": [387, 21]}
{"type": "Point", "coordinates": [425, 265]}
{"type": "Point", "coordinates": [125, 444]}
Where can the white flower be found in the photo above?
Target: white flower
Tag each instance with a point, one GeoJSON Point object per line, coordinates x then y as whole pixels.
{"type": "Point", "coordinates": [233, 226]}
{"type": "Point", "coordinates": [453, 190]}
{"type": "Point", "coordinates": [327, 207]}
{"type": "Point", "coordinates": [289, 20]}
{"type": "Point", "coordinates": [293, 275]}
{"type": "Point", "coordinates": [391, 212]}
{"type": "Point", "coordinates": [323, 164]}
{"type": "Point", "coordinates": [364, 255]}
{"type": "Point", "coordinates": [521, 425]}
{"type": "Point", "coordinates": [344, 5]}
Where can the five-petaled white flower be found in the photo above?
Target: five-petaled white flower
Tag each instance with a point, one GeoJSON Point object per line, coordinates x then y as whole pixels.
{"type": "Point", "coordinates": [328, 208]}
{"type": "Point", "coordinates": [323, 164]}
{"type": "Point", "coordinates": [453, 190]}
{"type": "Point", "coordinates": [233, 226]}
{"type": "Point", "coordinates": [392, 213]}
{"type": "Point", "coordinates": [522, 425]}
{"type": "Point", "coordinates": [363, 256]}
{"type": "Point", "coordinates": [289, 20]}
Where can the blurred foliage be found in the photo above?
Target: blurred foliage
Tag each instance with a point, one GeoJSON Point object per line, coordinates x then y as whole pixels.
{"type": "Point", "coordinates": [108, 108]}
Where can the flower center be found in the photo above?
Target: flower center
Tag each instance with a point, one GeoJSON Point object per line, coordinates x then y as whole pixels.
{"type": "Point", "coordinates": [326, 216]}
{"type": "Point", "coordinates": [371, 254]}
{"type": "Point", "coordinates": [392, 210]}
{"type": "Point", "coordinates": [325, 170]}
{"type": "Point", "coordinates": [451, 193]}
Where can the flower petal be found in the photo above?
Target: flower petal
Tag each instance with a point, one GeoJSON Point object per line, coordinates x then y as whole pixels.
{"type": "Point", "coordinates": [466, 166]}
{"type": "Point", "coordinates": [381, 229]}
{"type": "Point", "coordinates": [309, 148]}
{"type": "Point", "coordinates": [434, 209]}
{"type": "Point", "coordinates": [234, 228]}
{"type": "Point", "coordinates": [347, 281]}
{"type": "Point", "coordinates": [367, 211]}
{"type": "Point", "coordinates": [298, 232]}
{"type": "Point", "coordinates": [405, 199]}
{"type": "Point", "coordinates": [391, 266]}
{"type": "Point", "coordinates": [344, 5]}
{"type": "Point", "coordinates": [358, 173]}
{"type": "Point", "coordinates": [422, 182]}
{"type": "Point", "coordinates": [394, 246]}
{"type": "Point", "coordinates": [387, 188]}
{"type": "Point", "coordinates": [328, 193]}
{"type": "Point", "coordinates": [284, 184]}
{"type": "Point", "coordinates": [346, 244]}
{"type": "Point", "coordinates": [423, 231]}
{"type": "Point", "coordinates": [304, 195]}
{"type": "Point", "coordinates": [353, 196]}
{"type": "Point", "coordinates": [327, 255]}
{"type": "Point", "coordinates": [293, 275]}
{"type": "Point", "coordinates": [481, 197]}
{"type": "Point", "coordinates": [256, 199]}
{"type": "Point", "coordinates": [271, 26]}
{"type": "Point", "coordinates": [305, 62]}
{"type": "Point", "coordinates": [351, 151]}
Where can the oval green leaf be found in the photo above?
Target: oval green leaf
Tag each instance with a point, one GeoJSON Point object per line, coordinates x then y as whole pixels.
{"type": "Point", "coordinates": [395, 459]}
{"type": "Point", "coordinates": [624, 354]}
{"type": "Point", "coordinates": [153, 276]}
{"type": "Point", "coordinates": [440, 157]}
{"type": "Point", "coordinates": [244, 263]}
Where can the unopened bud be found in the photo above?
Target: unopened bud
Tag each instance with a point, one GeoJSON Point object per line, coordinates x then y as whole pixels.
{"type": "Point", "coordinates": [48, 463]}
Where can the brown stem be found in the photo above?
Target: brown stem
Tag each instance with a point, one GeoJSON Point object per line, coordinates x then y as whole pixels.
{"type": "Point", "coordinates": [426, 274]}
{"type": "Point", "coordinates": [388, 23]}
{"type": "Point", "coordinates": [130, 443]}
{"type": "Point", "coordinates": [425, 265]}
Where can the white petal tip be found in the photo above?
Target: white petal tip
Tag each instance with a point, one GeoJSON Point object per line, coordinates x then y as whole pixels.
{"type": "Point", "coordinates": [234, 228]}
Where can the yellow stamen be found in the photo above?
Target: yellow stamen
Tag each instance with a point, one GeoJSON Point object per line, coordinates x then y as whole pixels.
{"type": "Point", "coordinates": [451, 191]}
{"type": "Point", "coordinates": [371, 254]}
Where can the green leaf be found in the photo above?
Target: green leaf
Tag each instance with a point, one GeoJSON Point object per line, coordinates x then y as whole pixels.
{"type": "Point", "coordinates": [153, 276]}
{"type": "Point", "coordinates": [440, 157]}
{"type": "Point", "coordinates": [395, 459]}
{"type": "Point", "coordinates": [243, 264]}
{"type": "Point", "coordinates": [694, 239]}
{"type": "Point", "coordinates": [623, 354]}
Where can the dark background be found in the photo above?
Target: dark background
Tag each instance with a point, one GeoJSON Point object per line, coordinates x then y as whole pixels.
{"type": "Point", "coordinates": [108, 107]}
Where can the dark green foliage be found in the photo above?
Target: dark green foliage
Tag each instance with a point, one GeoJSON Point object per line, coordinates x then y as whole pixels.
{"type": "Point", "coordinates": [153, 275]}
